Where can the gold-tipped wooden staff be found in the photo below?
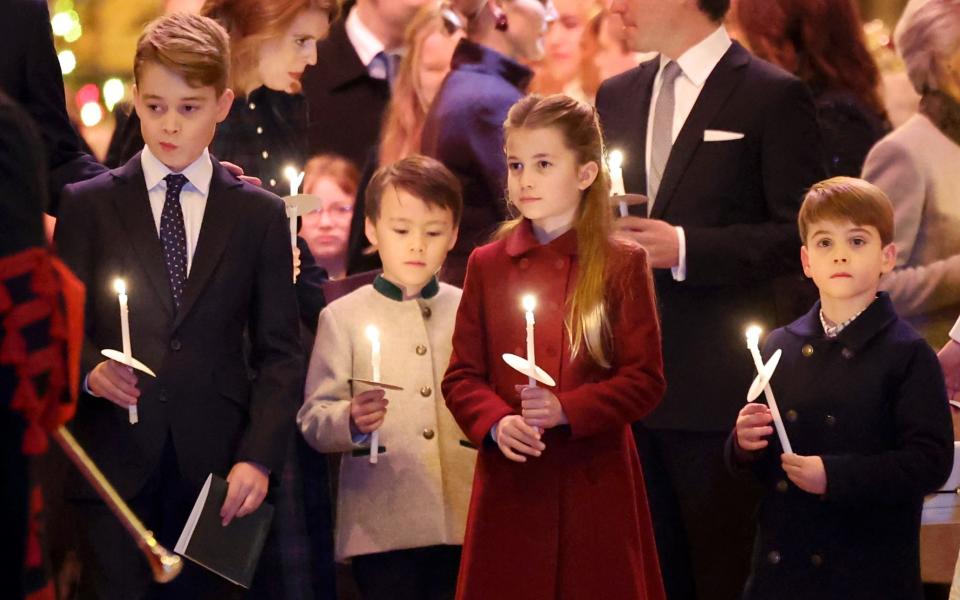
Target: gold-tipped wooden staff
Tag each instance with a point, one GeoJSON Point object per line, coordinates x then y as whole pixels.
{"type": "Point", "coordinates": [164, 564]}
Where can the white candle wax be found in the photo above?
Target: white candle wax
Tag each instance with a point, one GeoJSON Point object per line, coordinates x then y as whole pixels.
{"type": "Point", "coordinates": [529, 304]}
{"type": "Point", "coordinates": [121, 288]}
{"type": "Point", "coordinates": [617, 188]}
{"type": "Point", "coordinates": [295, 178]}
{"type": "Point", "coordinates": [373, 334]}
{"type": "Point", "coordinates": [753, 339]}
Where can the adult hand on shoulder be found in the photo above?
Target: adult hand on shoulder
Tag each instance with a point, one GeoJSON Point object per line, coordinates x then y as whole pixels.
{"type": "Point", "coordinates": [246, 489]}
{"type": "Point", "coordinates": [115, 382]}
{"type": "Point", "coordinates": [367, 411]}
{"type": "Point", "coordinates": [753, 425]}
{"type": "Point", "coordinates": [659, 238]}
{"type": "Point", "coordinates": [949, 357]}
{"type": "Point", "coordinates": [541, 408]}
{"type": "Point", "coordinates": [806, 472]}
{"type": "Point", "coordinates": [238, 171]}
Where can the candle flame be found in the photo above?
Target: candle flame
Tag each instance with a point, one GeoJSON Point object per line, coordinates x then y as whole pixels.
{"type": "Point", "coordinates": [529, 302]}
{"type": "Point", "coordinates": [120, 286]}
{"type": "Point", "coordinates": [615, 159]}
{"type": "Point", "coordinates": [753, 334]}
{"type": "Point", "coordinates": [373, 334]}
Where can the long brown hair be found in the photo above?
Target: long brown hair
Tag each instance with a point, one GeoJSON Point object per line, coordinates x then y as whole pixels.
{"type": "Point", "coordinates": [820, 41]}
{"type": "Point", "coordinates": [587, 324]}
{"type": "Point", "coordinates": [407, 111]}
{"type": "Point", "coordinates": [250, 23]}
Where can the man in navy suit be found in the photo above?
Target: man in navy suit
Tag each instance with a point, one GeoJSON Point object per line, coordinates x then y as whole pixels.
{"type": "Point", "coordinates": [207, 262]}
{"type": "Point", "coordinates": [724, 145]}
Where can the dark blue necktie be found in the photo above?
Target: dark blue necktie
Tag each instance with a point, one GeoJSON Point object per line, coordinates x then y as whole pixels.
{"type": "Point", "coordinates": [173, 236]}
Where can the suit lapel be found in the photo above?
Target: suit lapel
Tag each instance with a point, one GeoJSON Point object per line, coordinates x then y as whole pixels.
{"type": "Point", "coordinates": [644, 90]}
{"type": "Point", "coordinates": [133, 206]}
{"type": "Point", "coordinates": [722, 81]}
{"type": "Point", "coordinates": [219, 217]}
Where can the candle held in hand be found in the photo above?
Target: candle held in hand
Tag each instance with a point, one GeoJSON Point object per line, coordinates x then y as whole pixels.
{"type": "Point", "coordinates": [617, 188]}
{"type": "Point", "coordinates": [529, 304]}
{"type": "Point", "coordinates": [121, 288]}
{"type": "Point", "coordinates": [753, 344]}
{"type": "Point", "coordinates": [373, 334]}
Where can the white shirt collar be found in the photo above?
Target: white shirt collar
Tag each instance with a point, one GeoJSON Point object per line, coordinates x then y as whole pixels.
{"type": "Point", "coordinates": [363, 40]}
{"type": "Point", "coordinates": [699, 60]}
{"type": "Point", "coordinates": [198, 173]}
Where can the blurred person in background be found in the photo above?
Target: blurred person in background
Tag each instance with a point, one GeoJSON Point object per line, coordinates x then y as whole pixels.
{"type": "Point", "coordinates": [918, 166]}
{"type": "Point", "coordinates": [822, 42]}
{"type": "Point", "coordinates": [326, 230]}
{"type": "Point", "coordinates": [430, 41]}
{"type": "Point", "coordinates": [464, 128]}
{"type": "Point", "coordinates": [560, 70]}
{"type": "Point", "coordinates": [605, 52]}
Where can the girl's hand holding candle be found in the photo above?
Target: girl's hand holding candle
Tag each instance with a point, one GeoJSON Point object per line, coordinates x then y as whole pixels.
{"type": "Point", "coordinates": [540, 407]}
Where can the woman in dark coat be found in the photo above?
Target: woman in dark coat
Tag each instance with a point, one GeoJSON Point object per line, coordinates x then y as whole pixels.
{"type": "Point", "coordinates": [822, 43]}
{"type": "Point", "coordinates": [464, 128]}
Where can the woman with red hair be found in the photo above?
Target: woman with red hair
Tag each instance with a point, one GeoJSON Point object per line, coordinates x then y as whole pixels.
{"type": "Point", "coordinates": [822, 43]}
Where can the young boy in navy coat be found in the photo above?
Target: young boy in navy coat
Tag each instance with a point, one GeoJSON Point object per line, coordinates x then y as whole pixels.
{"type": "Point", "coordinates": [864, 407]}
{"type": "Point", "coordinates": [207, 261]}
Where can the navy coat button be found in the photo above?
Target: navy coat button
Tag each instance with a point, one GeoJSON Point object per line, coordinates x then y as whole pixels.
{"type": "Point", "coordinates": [830, 420]}
{"type": "Point", "coordinates": [792, 416]}
{"type": "Point", "coordinates": [782, 486]}
{"type": "Point", "coordinates": [175, 345]}
{"type": "Point", "coordinates": [807, 350]}
{"type": "Point", "coordinates": [524, 263]}
{"type": "Point", "coordinates": [816, 560]}
{"type": "Point", "coordinates": [773, 557]}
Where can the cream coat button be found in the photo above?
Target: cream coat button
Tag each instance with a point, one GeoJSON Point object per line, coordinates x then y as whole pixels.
{"type": "Point", "coordinates": [421, 350]}
{"type": "Point", "coordinates": [428, 434]}
{"type": "Point", "coordinates": [425, 391]}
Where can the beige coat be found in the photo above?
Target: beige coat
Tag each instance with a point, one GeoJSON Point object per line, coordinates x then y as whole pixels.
{"type": "Point", "coordinates": [919, 169]}
{"type": "Point", "coordinates": [417, 495]}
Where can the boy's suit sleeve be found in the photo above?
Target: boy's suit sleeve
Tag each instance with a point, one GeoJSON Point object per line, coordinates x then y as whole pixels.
{"type": "Point", "coordinates": [923, 456]}
{"type": "Point", "coordinates": [73, 238]}
{"type": "Point", "coordinates": [324, 418]}
{"type": "Point", "coordinates": [277, 354]}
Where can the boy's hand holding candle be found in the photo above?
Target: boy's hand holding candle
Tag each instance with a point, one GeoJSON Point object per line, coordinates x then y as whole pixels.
{"type": "Point", "coordinates": [754, 426]}
{"type": "Point", "coordinates": [806, 472]}
{"type": "Point", "coordinates": [367, 411]}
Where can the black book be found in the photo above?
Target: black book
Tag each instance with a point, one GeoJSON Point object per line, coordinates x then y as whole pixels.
{"type": "Point", "coordinates": [232, 551]}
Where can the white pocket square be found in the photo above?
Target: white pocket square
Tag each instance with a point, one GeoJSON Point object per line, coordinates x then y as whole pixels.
{"type": "Point", "coordinates": [718, 135]}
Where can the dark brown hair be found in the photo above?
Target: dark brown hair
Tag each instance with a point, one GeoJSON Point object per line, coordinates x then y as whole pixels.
{"type": "Point", "coordinates": [847, 199]}
{"type": "Point", "coordinates": [420, 176]}
{"type": "Point", "coordinates": [194, 47]}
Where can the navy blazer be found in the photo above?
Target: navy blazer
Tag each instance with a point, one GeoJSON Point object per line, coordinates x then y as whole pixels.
{"type": "Point", "coordinates": [737, 201]}
{"type": "Point", "coordinates": [240, 282]}
{"type": "Point", "coordinates": [872, 403]}
{"type": "Point", "coordinates": [464, 131]}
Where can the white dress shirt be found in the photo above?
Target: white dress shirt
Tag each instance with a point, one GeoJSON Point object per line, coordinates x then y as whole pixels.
{"type": "Point", "coordinates": [362, 39]}
{"type": "Point", "coordinates": [696, 65]}
{"type": "Point", "coordinates": [193, 196]}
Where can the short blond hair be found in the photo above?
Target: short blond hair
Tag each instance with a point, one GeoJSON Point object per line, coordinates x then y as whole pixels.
{"type": "Point", "coordinates": [927, 37]}
{"type": "Point", "coordinates": [194, 47]}
{"type": "Point", "coordinates": [847, 199]}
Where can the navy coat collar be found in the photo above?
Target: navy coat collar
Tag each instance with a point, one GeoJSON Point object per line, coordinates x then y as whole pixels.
{"type": "Point", "coordinates": [470, 56]}
{"type": "Point", "coordinates": [874, 319]}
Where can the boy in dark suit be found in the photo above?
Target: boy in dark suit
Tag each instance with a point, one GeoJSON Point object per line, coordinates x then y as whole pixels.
{"type": "Point", "coordinates": [865, 410]}
{"type": "Point", "coordinates": [205, 257]}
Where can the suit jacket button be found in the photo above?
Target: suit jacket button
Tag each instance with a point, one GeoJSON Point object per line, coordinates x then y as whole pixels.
{"type": "Point", "coordinates": [421, 350]}
{"type": "Point", "coordinates": [175, 345]}
{"type": "Point", "coordinates": [846, 353]}
{"type": "Point", "coordinates": [792, 416]}
{"type": "Point", "coordinates": [816, 560]}
{"type": "Point", "coordinates": [782, 486]}
{"type": "Point", "coordinates": [807, 350]}
{"type": "Point", "coordinates": [425, 391]}
{"type": "Point", "coordinates": [830, 420]}
{"type": "Point", "coordinates": [426, 312]}
{"type": "Point", "coordinates": [428, 434]}
{"type": "Point", "coordinates": [162, 397]}
{"type": "Point", "coordinates": [773, 557]}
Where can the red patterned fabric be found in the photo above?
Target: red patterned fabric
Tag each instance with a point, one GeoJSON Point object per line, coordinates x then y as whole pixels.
{"type": "Point", "coordinates": [55, 295]}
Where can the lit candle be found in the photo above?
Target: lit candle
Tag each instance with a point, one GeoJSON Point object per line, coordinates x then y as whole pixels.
{"type": "Point", "coordinates": [615, 164]}
{"type": "Point", "coordinates": [373, 334]}
{"type": "Point", "coordinates": [530, 303]}
{"type": "Point", "coordinates": [295, 178]}
{"type": "Point", "coordinates": [753, 341]}
{"type": "Point", "coordinates": [121, 287]}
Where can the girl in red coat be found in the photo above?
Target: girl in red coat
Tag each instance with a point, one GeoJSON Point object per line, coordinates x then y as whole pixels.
{"type": "Point", "coordinates": [559, 508]}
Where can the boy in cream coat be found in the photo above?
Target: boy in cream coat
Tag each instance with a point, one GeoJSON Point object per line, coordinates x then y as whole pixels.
{"type": "Point", "coordinates": [400, 520]}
